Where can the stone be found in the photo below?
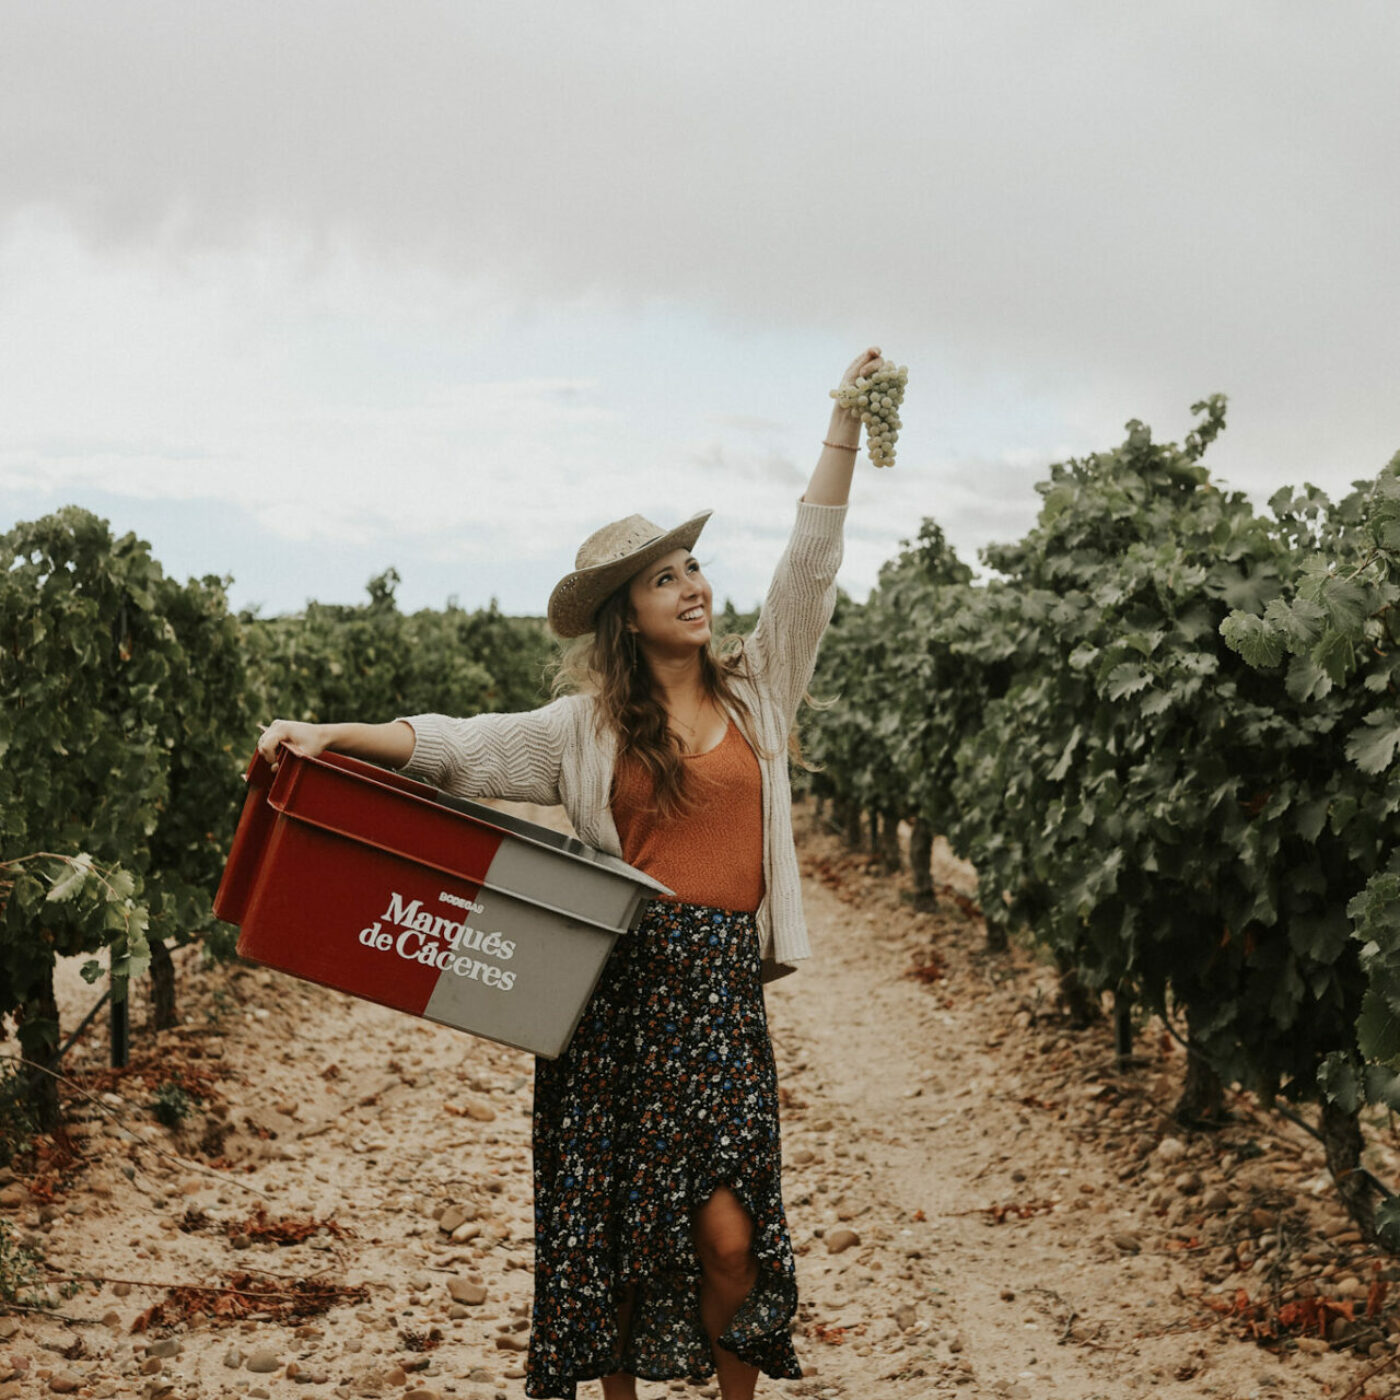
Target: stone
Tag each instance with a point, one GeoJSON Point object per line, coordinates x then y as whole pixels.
{"type": "Point", "coordinates": [1342, 1329]}
{"type": "Point", "coordinates": [264, 1359]}
{"type": "Point", "coordinates": [465, 1291]}
{"type": "Point", "coordinates": [802, 1156]}
{"type": "Point", "coordinates": [152, 1366]}
{"type": "Point", "coordinates": [454, 1216]}
{"type": "Point", "coordinates": [12, 1197]}
{"type": "Point", "coordinates": [838, 1241]}
{"type": "Point", "coordinates": [482, 1112]}
{"type": "Point", "coordinates": [112, 1320]}
{"type": "Point", "coordinates": [1189, 1183]}
{"type": "Point", "coordinates": [64, 1382]}
{"type": "Point", "coordinates": [907, 1316]}
{"type": "Point", "coordinates": [166, 1346]}
{"type": "Point", "coordinates": [512, 1341]}
{"type": "Point", "coordinates": [1128, 1242]}
{"type": "Point", "coordinates": [8, 1327]}
{"type": "Point", "coordinates": [233, 1359]}
{"type": "Point", "coordinates": [1217, 1200]}
{"type": "Point", "coordinates": [1171, 1149]}
{"type": "Point", "coordinates": [421, 1392]}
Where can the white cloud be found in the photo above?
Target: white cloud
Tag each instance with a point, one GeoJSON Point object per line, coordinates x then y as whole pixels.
{"type": "Point", "coordinates": [433, 269]}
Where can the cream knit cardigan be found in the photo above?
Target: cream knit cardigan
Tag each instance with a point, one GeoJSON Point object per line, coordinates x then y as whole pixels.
{"type": "Point", "coordinates": [556, 754]}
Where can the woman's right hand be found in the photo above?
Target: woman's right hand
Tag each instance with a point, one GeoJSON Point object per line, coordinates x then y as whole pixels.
{"type": "Point", "coordinates": [308, 740]}
{"type": "Point", "coordinates": [867, 362]}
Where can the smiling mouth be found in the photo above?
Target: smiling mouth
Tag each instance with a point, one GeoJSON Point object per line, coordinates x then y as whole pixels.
{"type": "Point", "coordinates": [694, 615]}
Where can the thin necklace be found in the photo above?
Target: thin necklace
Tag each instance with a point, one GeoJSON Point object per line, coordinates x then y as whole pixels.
{"type": "Point", "coordinates": [695, 719]}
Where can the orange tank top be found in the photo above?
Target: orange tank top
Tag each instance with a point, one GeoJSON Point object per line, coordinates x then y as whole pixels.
{"type": "Point", "coordinates": [711, 854]}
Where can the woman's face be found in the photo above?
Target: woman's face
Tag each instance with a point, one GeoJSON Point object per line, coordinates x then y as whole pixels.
{"type": "Point", "coordinates": [671, 604]}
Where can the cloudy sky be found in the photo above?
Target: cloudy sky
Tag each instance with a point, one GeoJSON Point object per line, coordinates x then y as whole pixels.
{"type": "Point", "coordinates": [300, 290]}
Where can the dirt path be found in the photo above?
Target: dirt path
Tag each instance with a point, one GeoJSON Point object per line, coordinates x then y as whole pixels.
{"type": "Point", "coordinates": [983, 1206]}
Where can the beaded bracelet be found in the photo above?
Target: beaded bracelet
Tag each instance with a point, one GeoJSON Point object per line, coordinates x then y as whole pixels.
{"type": "Point", "coordinates": [841, 446]}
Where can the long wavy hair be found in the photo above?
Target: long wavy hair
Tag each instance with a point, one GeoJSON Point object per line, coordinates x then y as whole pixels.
{"type": "Point", "coordinates": [608, 664]}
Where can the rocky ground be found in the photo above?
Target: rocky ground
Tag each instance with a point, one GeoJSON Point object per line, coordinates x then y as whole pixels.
{"type": "Point", "coordinates": [983, 1203]}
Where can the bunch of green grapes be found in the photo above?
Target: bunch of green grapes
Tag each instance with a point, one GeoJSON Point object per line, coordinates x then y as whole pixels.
{"type": "Point", "coordinates": [875, 400]}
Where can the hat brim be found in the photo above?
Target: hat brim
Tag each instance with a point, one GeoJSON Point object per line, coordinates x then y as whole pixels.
{"type": "Point", "coordinates": [578, 596]}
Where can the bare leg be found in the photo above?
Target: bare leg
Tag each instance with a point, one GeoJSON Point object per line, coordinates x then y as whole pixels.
{"type": "Point", "coordinates": [728, 1271]}
{"type": "Point", "coordinates": [620, 1386]}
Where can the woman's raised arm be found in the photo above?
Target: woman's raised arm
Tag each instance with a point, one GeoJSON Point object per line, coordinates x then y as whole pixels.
{"type": "Point", "coordinates": [831, 477]}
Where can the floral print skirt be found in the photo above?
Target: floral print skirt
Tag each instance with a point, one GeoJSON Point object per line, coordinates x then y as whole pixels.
{"type": "Point", "coordinates": [666, 1093]}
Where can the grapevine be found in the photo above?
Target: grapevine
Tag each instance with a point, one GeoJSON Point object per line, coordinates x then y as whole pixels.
{"type": "Point", "coordinates": [127, 708]}
{"type": "Point", "coordinates": [1164, 733]}
{"type": "Point", "coordinates": [875, 399]}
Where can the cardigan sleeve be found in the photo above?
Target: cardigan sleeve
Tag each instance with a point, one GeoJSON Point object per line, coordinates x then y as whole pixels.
{"type": "Point", "coordinates": [799, 604]}
{"type": "Point", "coordinates": [512, 756]}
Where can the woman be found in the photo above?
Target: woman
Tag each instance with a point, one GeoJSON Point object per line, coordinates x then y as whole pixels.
{"type": "Point", "coordinates": [662, 1249]}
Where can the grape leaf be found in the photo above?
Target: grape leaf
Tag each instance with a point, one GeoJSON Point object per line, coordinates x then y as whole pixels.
{"type": "Point", "coordinates": [1127, 679]}
{"type": "Point", "coordinates": [1339, 1081]}
{"type": "Point", "coordinates": [1257, 641]}
{"type": "Point", "coordinates": [1372, 748]}
{"type": "Point", "coordinates": [71, 883]}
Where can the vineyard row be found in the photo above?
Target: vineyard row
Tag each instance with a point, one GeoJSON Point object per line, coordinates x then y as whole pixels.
{"type": "Point", "coordinates": [129, 707]}
{"type": "Point", "coordinates": [1164, 730]}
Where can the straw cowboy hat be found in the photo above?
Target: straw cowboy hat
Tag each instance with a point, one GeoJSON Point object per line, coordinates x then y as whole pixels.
{"type": "Point", "coordinates": [606, 560]}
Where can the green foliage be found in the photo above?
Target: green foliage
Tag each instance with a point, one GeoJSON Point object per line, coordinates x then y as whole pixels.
{"type": "Point", "coordinates": [70, 904]}
{"type": "Point", "coordinates": [17, 1121]}
{"type": "Point", "coordinates": [121, 703]}
{"type": "Point", "coordinates": [1375, 914]}
{"type": "Point", "coordinates": [1141, 731]}
{"type": "Point", "coordinates": [19, 1270]}
{"type": "Point", "coordinates": [896, 694]}
{"type": "Point", "coordinates": [374, 663]}
{"type": "Point", "coordinates": [731, 622]}
{"type": "Point", "coordinates": [1162, 809]}
{"type": "Point", "coordinates": [220, 945]}
{"type": "Point", "coordinates": [208, 733]}
{"type": "Point", "coordinates": [85, 663]}
{"type": "Point", "coordinates": [1339, 627]}
{"type": "Point", "coordinates": [128, 710]}
{"type": "Point", "coordinates": [171, 1104]}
